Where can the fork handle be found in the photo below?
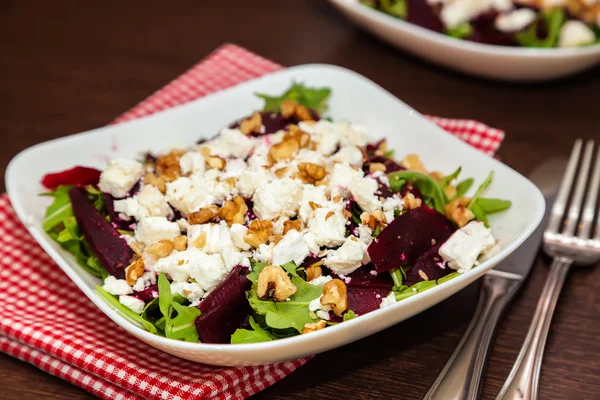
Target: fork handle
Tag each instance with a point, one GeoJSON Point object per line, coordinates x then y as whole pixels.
{"type": "Point", "coordinates": [523, 380]}
{"type": "Point", "coordinates": [461, 376]}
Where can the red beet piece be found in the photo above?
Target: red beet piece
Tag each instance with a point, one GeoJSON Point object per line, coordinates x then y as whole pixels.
{"type": "Point", "coordinates": [408, 237]}
{"type": "Point", "coordinates": [431, 264]}
{"type": "Point", "coordinates": [422, 14]}
{"type": "Point", "coordinates": [225, 309]}
{"type": "Point", "coordinates": [363, 278]}
{"type": "Point", "coordinates": [148, 294]}
{"type": "Point", "coordinates": [73, 176]}
{"type": "Point", "coordinates": [362, 300]}
{"type": "Point", "coordinates": [112, 251]}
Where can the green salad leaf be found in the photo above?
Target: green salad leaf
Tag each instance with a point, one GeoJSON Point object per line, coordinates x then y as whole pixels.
{"type": "Point", "coordinates": [552, 20]}
{"type": "Point", "coordinates": [460, 31]}
{"type": "Point", "coordinates": [396, 8]}
{"type": "Point", "coordinates": [463, 187]}
{"type": "Point", "coordinates": [349, 315]}
{"type": "Point", "coordinates": [286, 314]}
{"type": "Point", "coordinates": [404, 291]}
{"type": "Point", "coordinates": [429, 187]}
{"type": "Point", "coordinates": [256, 335]}
{"type": "Point", "coordinates": [179, 319]}
{"type": "Point", "coordinates": [490, 206]}
{"type": "Point", "coordinates": [59, 209]}
{"type": "Point", "coordinates": [313, 98]}
{"type": "Point", "coordinates": [133, 317]}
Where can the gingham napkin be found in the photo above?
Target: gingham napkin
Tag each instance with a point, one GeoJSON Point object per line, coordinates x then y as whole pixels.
{"type": "Point", "coordinates": [45, 320]}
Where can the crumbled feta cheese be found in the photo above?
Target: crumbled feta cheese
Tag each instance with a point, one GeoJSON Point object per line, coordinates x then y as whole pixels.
{"type": "Point", "coordinates": [516, 20]}
{"type": "Point", "coordinates": [238, 231]}
{"type": "Point", "coordinates": [187, 196]}
{"type": "Point", "coordinates": [233, 143]}
{"type": "Point", "coordinates": [116, 287]}
{"type": "Point", "coordinates": [249, 180]}
{"type": "Point", "coordinates": [350, 154]}
{"type": "Point", "coordinates": [341, 176]}
{"type": "Point", "coordinates": [234, 168]}
{"type": "Point", "coordinates": [321, 311]}
{"type": "Point", "coordinates": [278, 198]}
{"type": "Point", "coordinates": [207, 270]}
{"type": "Point", "coordinates": [329, 232]}
{"type": "Point", "coordinates": [309, 156]}
{"type": "Point", "coordinates": [363, 190]}
{"type": "Point", "coordinates": [351, 134]}
{"type": "Point", "coordinates": [574, 34]}
{"type": "Point", "coordinates": [191, 291]}
{"type": "Point", "coordinates": [139, 285]}
{"type": "Point", "coordinates": [215, 239]}
{"type": "Point", "coordinates": [120, 176]}
{"type": "Point", "coordinates": [133, 303]}
{"type": "Point", "coordinates": [314, 194]}
{"type": "Point", "coordinates": [460, 11]}
{"type": "Point", "coordinates": [290, 248]}
{"type": "Point", "coordinates": [465, 245]}
{"type": "Point", "coordinates": [152, 229]}
{"type": "Point", "coordinates": [390, 205]}
{"type": "Point", "coordinates": [388, 300]}
{"type": "Point", "coordinates": [365, 234]}
{"type": "Point", "coordinates": [149, 202]}
{"type": "Point", "coordinates": [348, 258]}
{"type": "Point", "coordinates": [321, 280]}
{"type": "Point", "coordinates": [264, 253]}
{"type": "Point", "coordinates": [192, 162]}
{"type": "Point", "coordinates": [311, 243]}
{"type": "Point", "coordinates": [183, 224]}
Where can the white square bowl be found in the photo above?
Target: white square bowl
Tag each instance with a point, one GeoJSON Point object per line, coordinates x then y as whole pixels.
{"type": "Point", "coordinates": [523, 64]}
{"type": "Point", "coordinates": [354, 98]}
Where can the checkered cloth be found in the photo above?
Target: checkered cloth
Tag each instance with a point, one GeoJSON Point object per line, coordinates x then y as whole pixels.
{"type": "Point", "coordinates": [45, 320]}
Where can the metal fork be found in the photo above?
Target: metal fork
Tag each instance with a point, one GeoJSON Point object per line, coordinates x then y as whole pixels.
{"type": "Point", "coordinates": [570, 241]}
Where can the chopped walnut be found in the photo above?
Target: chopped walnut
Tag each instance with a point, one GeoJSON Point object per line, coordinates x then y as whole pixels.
{"type": "Point", "coordinates": [274, 283]}
{"type": "Point", "coordinates": [329, 215]}
{"type": "Point", "coordinates": [337, 198]}
{"type": "Point", "coordinates": [252, 124]}
{"type": "Point", "coordinates": [458, 212]}
{"type": "Point", "coordinates": [275, 239]}
{"type": "Point", "coordinates": [588, 11]}
{"type": "Point", "coordinates": [216, 162]}
{"type": "Point", "coordinates": [374, 167]}
{"type": "Point", "coordinates": [313, 205]}
{"type": "Point", "coordinates": [234, 211]}
{"type": "Point", "coordinates": [258, 232]}
{"type": "Point", "coordinates": [280, 172]}
{"type": "Point", "coordinates": [180, 243]}
{"type": "Point", "coordinates": [313, 327]}
{"type": "Point", "coordinates": [285, 150]}
{"type": "Point", "coordinates": [134, 271]}
{"type": "Point", "coordinates": [203, 215]}
{"type": "Point", "coordinates": [436, 175]}
{"type": "Point", "coordinates": [292, 225]}
{"type": "Point", "coordinates": [136, 248]}
{"type": "Point", "coordinates": [159, 183]}
{"type": "Point", "coordinates": [161, 249]}
{"type": "Point", "coordinates": [311, 173]}
{"type": "Point", "coordinates": [373, 220]}
{"type": "Point", "coordinates": [314, 271]}
{"type": "Point", "coordinates": [413, 162]}
{"type": "Point", "coordinates": [334, 295]}
{"type": "Point", "coordinates": [409, 201]}
{"type": "Point", "coordinates": [298, 135]}
{"type": "Point", "coordinates": [303, 114]}
{"type": "Point", "coordinates": [200, 241]}
{"type": "Point", "coordinates": [167, 166]}
{"type": "Point", "coordinates": [290, 108]}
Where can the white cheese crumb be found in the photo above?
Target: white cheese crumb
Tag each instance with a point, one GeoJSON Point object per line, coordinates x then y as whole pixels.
{"type": "Point", "coordinates": [322, 311]}
{"type": "Point", "coordinates": [350, 154]}
{"type": "Point", "coordinates": [191, 291]}
{"type": "Point", "coordinates": [120, 176]}
{"type": "Point", "coordinates": [149, 202]}
{"type": "Point", "coordinates": [363, 190]}
{"type": "Point", "coordinates": [465, 245]}
{"type": "Point", "coordinates": [290, 248]}
{"type": "Point", "coordinates": [133, 303]}
{"type": "Point", "coordinates": [340, 177]}
{"type": "Point", "coordinates": [348, 258]}
{"type": "Point", "coordinates": [192, 162]}
{"type": "Point", "coordinates": [207, 270]}
{"type": "Point", "coordinates": [238, 231]}
{"type": "Point", "coordinates": [388, 300]}
{"type": "Point", "coordinates": [575, 34]}
{"type": "Point", "coordinates": [329, 232]}
{"type": "Point", "coordinates": [278, 198]}
{"type": "Point", "coordinates": [321, 280]}
{"type": "Point", "coordinates": [116, 287]}
{"type": "Point", "coordinates": [153, 229]}
{"type": "Point", "coordinates": [516, 20]}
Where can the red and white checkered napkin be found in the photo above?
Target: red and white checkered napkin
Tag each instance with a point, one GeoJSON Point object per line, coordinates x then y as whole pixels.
{"type": "Point", "coordinates": [46, 321]}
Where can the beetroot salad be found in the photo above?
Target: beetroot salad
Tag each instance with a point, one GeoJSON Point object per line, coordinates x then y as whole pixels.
{"type": "Point", "coordinates": [526, 23]}
{"type": "Point", "coordinates": [284, 223]}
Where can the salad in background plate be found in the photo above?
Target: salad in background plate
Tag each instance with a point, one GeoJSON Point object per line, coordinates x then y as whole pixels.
{"type": "Point", "coordinates": [283, 224]}
{"type": "Point", "coordinates": [526, 23]}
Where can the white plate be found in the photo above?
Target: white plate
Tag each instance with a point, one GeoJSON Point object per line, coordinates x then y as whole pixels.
{"type": "Point", "coordinates": [490, 61]}
{"type": "Point", "coordinates": [354, 97]}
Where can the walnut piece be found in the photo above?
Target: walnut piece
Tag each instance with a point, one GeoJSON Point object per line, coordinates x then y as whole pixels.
{"type": "Point", "coordinates": [203, 215]}
{"type": "Point", "coordinates": [216, 162]}
{"type": "Point", "coordinates": [290, 108]}
{"type": "Point", "coordinates": [234, 211]}
{"type": "Point", "coordinates": [252, 124]}
{"type": "Point", "coordinates": [289, 225]}
{"type": "Point", "coordinates": [298, 135]}
{"type": "Point", "coordinates": [159, 183]}
{"type": "Point", "coordinates": [180, 243]}
{"type": "Point", "coordinates": [161, 249]}
{"type": "Point", "coordinates": [134, 271]}
{"type": "Point", "coordinates": [334, 296]}
{"type": "Point", "coordinates": [313, 327]}
{"type": "Point", "coordinates": [274, 283]}
{"type": "Point", "coordinates": [258, 232]}
{"type": "Point", "coordinates": [314, 271]}
{"type": "Point", "coordinates": [136, 248]}
{"type": "Point", "coordinates": [413, 162]}
{"type": "Point", "coordinates": [409, 201]}
{"type": "Point", "coordinates": [458, 212]}
{"type": "Point", "coordinates": [167, 166]}
{"type": "Point", "coordinates": [311, 173]}
{"type": "Point", "coordinates": [313, 205]}
{"type": "Point", "coordinates": [200, 241]}
{"type": "Point", "coordinates": [374, 167]}
{"type": "Point", "coordinates": [284, 150]}
{"type": "Point", "coordinates": [373, 220]}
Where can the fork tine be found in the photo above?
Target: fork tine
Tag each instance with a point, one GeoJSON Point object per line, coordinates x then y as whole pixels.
{"type": "Point", "coordinates": [558, 209]}
{"type": "Point", "coordinates": [590, 205]}
{"type": "Point", "coordinates": [575, 208]}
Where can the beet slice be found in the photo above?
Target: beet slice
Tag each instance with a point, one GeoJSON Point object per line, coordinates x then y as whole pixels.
{"type": "Point", "coordinates": [431, 264]}
{"type": "Point", "coordinates": [112, 251]}
{"type": "Point", "coordinates": [74, 176]}
{"type": "Point", "coordinates": [225, 309]}
{"type": "Point", "coordinates": [362, 300]}
{"type": "Point", "coordinates": [148, 294]}
{"type": "Point", "coordinates": [363, 278]}
{"type": "Point", "coordinates": [408, 237]}
{"type": "Point", "coordinates": [422, 14]}
{"type": "Point", "coordinates": [116, 221]}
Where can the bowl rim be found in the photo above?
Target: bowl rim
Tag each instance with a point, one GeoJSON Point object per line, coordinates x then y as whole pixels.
{"type": "Point", "coordinates": [465, 45]}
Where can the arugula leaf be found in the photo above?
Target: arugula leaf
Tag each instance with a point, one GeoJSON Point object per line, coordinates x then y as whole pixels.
{"type": "Point", "coordinates": [286, 314]}
{"type": "Point", "coordinates": [397, 276]}
{"type": "Point", "coordinates": [429, 187]}
{"type": "Point", "coordinates": [490, 206]}
{"type": "Point", "coordinates": [461, 31]}
{"type": "Point", "coordinates": [256, 335]}
{"type": "Point", "coordinates": [396, 8]}
{"type": "Point", "coordinates": [396, 183]}
{"type": "Point", "coordinates": [463, 187]}
{"type": "Point", "coordinates": [165, 300]}
{"type": "Point", "coordinates": [179, 320]}
{"type": "Point", "coordinates": [389, 153]}
{"type": "Point", "coordinates": [552, 20]}
{"type": "Point", "coordinates": [482, 188]}
{"type": "Point", "coordinates": [59, 209]}
{"type": "Point", "coordinates": [405, 291]}
{"type": "Point", "coordinates": [445, 181]}
{"type": "Point", "coordinates": [479, 213]}
{"type": "Point", "coordinates": [133, 317]}
{"type": "Point", "coordinates": [313, 98]}
{"type": "Point", "coordinates": [349, 315]}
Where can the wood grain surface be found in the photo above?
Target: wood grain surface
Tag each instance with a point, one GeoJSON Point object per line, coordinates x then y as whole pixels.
{"type": "Point", "coordinates": [71, 66]}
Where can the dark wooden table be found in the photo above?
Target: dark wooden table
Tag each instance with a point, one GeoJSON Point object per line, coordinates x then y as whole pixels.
{"type": "Point", "coordinates": [71, 66]}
